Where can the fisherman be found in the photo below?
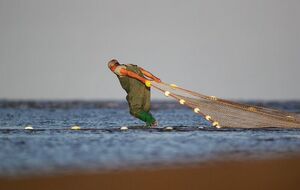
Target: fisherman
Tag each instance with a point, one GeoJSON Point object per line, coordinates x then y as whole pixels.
{"type": "Point", "coordinates": [137, 86]}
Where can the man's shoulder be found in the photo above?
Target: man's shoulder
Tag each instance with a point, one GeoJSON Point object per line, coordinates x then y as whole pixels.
{"type": "Point", "coordinates": [118, 69]}
{"type": "Point", "coordinates": [131, 65]}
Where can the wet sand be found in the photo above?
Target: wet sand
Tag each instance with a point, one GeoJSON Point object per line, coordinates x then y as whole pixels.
{"type": "Point", "coordinates": [263, 174]}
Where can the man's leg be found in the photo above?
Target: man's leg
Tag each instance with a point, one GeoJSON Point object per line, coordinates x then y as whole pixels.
{"type": "Point", "coordinates": [147, 101]}
{"type": "Point", "coordinates": [135, 101]}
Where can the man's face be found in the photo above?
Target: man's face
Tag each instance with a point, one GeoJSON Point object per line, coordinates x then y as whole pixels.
{"type": "Point", "coordinates": [112, 65]}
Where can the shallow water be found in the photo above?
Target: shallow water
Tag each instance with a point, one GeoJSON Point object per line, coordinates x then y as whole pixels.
{"type": "Point", "coordinates": [54, 148]}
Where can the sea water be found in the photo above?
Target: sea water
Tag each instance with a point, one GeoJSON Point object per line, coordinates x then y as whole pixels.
{"type": "Point", "coordinates": [53, 147]}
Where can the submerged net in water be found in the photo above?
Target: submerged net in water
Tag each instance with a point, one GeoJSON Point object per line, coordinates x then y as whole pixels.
{"type": "Point", "coordinates": [224, 113]}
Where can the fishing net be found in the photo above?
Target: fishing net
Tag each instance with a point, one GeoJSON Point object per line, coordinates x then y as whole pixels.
{"type": "Point", "coordinates": [224, 113]}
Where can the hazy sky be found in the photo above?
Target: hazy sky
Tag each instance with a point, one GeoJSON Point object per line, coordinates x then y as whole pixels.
{"type": "Point", "coordinates": [241, 49]}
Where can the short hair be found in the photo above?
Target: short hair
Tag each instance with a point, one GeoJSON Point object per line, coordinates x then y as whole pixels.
{"type": "Point", "coordinates": [112, 62]}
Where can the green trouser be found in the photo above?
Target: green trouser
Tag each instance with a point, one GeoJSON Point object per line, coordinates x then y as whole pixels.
{"type": "Point", "coordinates": [139, 104]}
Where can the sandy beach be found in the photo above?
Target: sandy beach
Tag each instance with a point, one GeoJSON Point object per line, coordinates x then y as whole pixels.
{"type": "Point", "coordinates": [262, 174]}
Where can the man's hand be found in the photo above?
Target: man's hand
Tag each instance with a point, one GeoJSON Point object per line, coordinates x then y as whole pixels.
{"type": "Point", "coordinates": [157, 80]}
{"type": "Point", "coordinates": [148, 83]}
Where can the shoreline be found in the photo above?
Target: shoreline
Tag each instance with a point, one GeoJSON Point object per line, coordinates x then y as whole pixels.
{"type": "Point", "coordinates": [282, 173]}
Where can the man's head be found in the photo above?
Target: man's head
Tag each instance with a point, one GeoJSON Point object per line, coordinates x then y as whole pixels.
{"type": "Point", "coordinates": [113, 64]}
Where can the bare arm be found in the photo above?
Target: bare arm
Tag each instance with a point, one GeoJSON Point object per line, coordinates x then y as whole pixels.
{"type": "Point", "coordinates": [131, 74]}
{"type": "Point", "coordinates": [149, 75]}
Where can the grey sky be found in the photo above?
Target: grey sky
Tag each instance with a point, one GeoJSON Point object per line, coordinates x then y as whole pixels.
{"type": "Point", "coordinates": [58, 49]}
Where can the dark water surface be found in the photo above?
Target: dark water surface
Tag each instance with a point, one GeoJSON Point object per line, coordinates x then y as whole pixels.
{"type": "Point", "coordinates": [52, 147]}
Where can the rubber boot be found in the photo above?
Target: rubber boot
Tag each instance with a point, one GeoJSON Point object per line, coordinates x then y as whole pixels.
{"type": "Point", "coordinates": [146, 117]}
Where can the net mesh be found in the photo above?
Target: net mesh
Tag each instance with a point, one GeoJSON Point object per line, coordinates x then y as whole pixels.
{"type": "Point", "coordinates": [224, 113]}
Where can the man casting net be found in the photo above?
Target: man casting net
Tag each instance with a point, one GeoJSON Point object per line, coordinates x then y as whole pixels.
{"type": "Point", "coordinates": [220, 112]}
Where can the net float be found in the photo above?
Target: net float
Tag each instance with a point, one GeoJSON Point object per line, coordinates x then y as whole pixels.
{"type": "Point", "coordinates": [75, 127]}
{"type": "Point", "coordinates": [167, 93]}
{"type": "Point", "coordinates": [213, 98]}
{"type": "Point", "coordinates": [215, 123]}
{"type": "Point", "coordinates": [28, 127]}
{"type": "Point", "coordinates": [124, 128]}
{"type": "Point", "coordinates": [208, 118]}
{"type": "Point", "coordinates": [196, 110]}
{"type": "Point", "coordinates": [252, 109]}
{"type": "Point", "coordinates": [173, 85]}
{"type": "Point", "coordinates": [181, 101]}
{"type": "Point", "coordinates": [168, 128]}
